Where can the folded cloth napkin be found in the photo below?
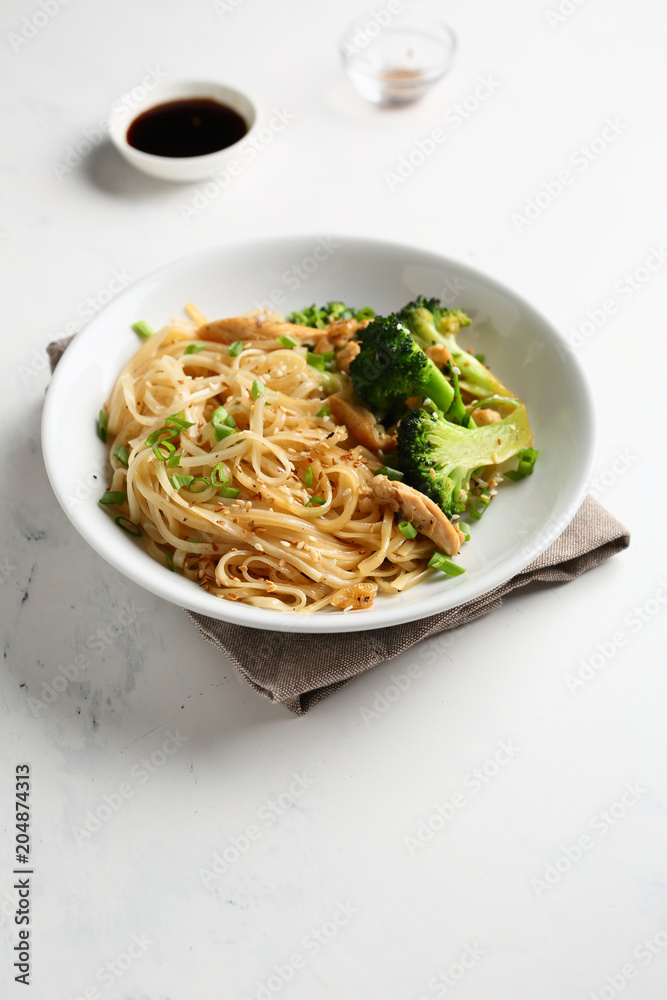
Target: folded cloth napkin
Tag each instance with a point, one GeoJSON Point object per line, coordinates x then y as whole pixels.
{"type": "Point", "coordinates": [299, 669]}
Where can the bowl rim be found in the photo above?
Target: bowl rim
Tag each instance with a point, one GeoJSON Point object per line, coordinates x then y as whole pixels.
{"type": "Point", "coordinates": [322, 622]}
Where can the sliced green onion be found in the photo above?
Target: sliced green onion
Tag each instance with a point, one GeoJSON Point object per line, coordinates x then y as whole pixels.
{"type": "Point", "coordinates": [446, 565]}
{"type": "Point", "coordinates": [198, 479]}
{"type": "Point", "coordinates": [122, 454]}
{"type": "Point", "coordinates": [129, 526]}
{"type": "Point", "coordinates": [102, 426]}
{"type": "Point", "coordinates": [479, 505]}
{"type": "Point", "coordinates": [223, 425]}
{"type": "Point", "coordinates": [287, 342]}
{"type": "Point", "coordinates": [173, 461]}
{"type": "Point", "coordinates": [179, 481]}
{"type": "Point", "coordinates": [169, 559]}
{"type": "Point", "coordinates": [389, 472]}
{"type": "Point", "coordinates": [164, 434]}
{"type": "Point", "coordinates": [308, 478]}
{"type": "Point", "coordinates": [407, 529]}
{"type": "Point", "coordinates": [110, 497]}
{"type": "Point", "coordinates": [258, 388]}
{"type": "Point", "coordinates": [320, 361]}
{"type": "Point", "coordinates": [178, 421]}
{"type": "Point", "coordinates": [315, 502]}
{"type": "Point", "coordinates": [391, 461]}
{"type": "Point", "coordinates": [465, 528]}
{"type": "Point", "coordinates": [324, 412]}
{"type": "Point", "coordinates": [229, 491]}
{"type": "Point", "coordinates": [219, 475]}
{"type": "Point", "coordinates": [159, 450]}
{"type": "Point", "coordinates": [194, 348]}
{"type": "Point", "coordinates": [235, 348]}
{"type": "Point", "coordinates": [527, 458]}
{"type": "Point", "coordinates": [144, 329]}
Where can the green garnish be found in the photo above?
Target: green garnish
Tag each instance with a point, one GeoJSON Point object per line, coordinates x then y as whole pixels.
{"type": "Point", "coordinates": [390, 473]}
{"type": "Point", "coordinates": [235, 348]}
{"type": "Point", "coordinates": [111, 497]}
{"type": "Point", "coordinates": [315, 502]}
{"type": "Point", "coordinates": [527, 458]}
{"type": "Point", "coordinates": [122, 454]}
{"type": "Point", "coordinates": [102, 426]}
{"type": "Point", "coordinates": [465, 528]}
{"type": "Point", "coordinates": [324, 412]}
{"type": "Point", "coordinates": [323, 362]}
{"type": "Point", "coordinates": [198, 479]}
{"type": "Point", "coordinates": [194, 348]}
{"type": "Point", "coordinates": [446, 565]}
{"type": "Point", "coordinates": [143, 329]}
{"type": "Point", "coordinates": [223, 425]}
{"type": "Point", "coordinates": [258, 388]}
{"type": "Point", "coordinates": [218, 477]}
{"type": "Point", "coordinates": [308, 478]}
{"type": "Point", "coordinates": [163, 450]}
{"type": "Point", "coordinates": [479, 505]}
{"type": "Point", "coordinates": [169, 559]}
{"type": "Point", "coordinates": [129, 526]}
{"type": "Point", "coordinates": [179, 481]}
{"type": "Point", "coordinates": [178, 421]}
{"type": "Point", "coordinates": [173, 461]}
{"type": "Point", "coordinates": [407, 529]}
{"type": "Point", "coordinates": [288, 342]}
{"type": "Point", "coordinates": [164, 434]}
{"type": "Point", "coordinates": [229, 491]}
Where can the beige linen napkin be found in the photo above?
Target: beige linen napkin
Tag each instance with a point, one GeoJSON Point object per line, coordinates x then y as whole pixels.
{"type": "Point", "coordinates": [299, 669]}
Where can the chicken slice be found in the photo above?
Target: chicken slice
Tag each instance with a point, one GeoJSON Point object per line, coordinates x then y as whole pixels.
{"type": "Point", "coordinates": [226, 331]}
{"type": "Point", "coordinates": [422, 513]}
{"type": "Point", "coordinates": [361, 423]}
{"type": "Point", "coordinates": [346, 356]}
{"type": "Point", "coordinates": [338, 334]}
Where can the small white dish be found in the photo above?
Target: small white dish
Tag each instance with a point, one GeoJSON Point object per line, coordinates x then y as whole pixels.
{"type": "Point", "coordinates": [181, 168]}
{"type": "Point", "coordinates": [522, 347]}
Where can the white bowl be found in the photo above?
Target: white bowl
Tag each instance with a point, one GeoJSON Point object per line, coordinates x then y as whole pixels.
{"type": "Point", "coordinates": [181, 168]}
{"type": "Point", "coordinates": [522, 347]}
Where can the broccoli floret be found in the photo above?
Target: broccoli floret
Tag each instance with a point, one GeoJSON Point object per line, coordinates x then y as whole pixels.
{"type": "Point", "coordinates": [391, 367]}
{"type": "Point", "coordinates": [438, 457]}
{"type": "Point", "coordinates": [430, 324]}
{"type": "Point", "coordinates": [332, 311]}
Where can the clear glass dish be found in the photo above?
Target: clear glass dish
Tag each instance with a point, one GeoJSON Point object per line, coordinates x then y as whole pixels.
{"type": "Point", "coordinates": [395, 58]}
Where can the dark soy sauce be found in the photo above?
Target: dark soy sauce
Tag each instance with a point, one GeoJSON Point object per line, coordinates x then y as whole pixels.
{"type": "Point", "coordinates": [191, 127]}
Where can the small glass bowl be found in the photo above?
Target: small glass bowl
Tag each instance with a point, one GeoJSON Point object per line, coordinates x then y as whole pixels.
{"type": "Point", "coordinates": [395, 58]}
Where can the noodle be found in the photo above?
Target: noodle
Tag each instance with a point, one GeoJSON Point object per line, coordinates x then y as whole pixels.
{"type": "Point", "coordinates": [294, 527]}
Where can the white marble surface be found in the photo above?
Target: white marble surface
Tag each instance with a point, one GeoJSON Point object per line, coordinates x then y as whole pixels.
{"type": "Point", "coordinates": [328, 893]}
